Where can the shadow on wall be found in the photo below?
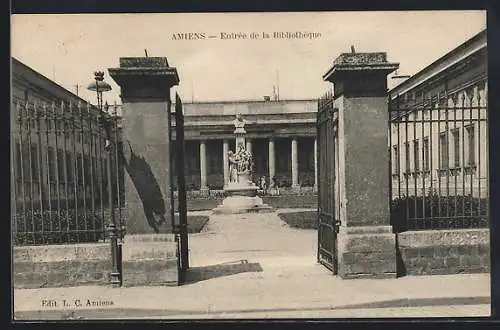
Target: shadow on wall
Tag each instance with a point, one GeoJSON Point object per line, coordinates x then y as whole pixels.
{"type": "Point", "coordinates": [147, 188]}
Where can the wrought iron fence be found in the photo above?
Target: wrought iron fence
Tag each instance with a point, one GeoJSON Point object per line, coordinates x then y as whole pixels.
{"type": "Point", "coordinates": [439, 159]}
{"type": "Point", "coordinates": [59, 180]}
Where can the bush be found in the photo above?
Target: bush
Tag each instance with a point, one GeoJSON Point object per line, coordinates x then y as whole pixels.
{"type": "Point", "coordinates": [301, 220]}
{"type": "Point", "coordinates": [438, 212]}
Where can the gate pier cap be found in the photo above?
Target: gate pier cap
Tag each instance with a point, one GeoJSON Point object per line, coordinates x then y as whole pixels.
{"type": "Point", "coordinates": [366, 243]}
{"type": "Point", "coordinates": [144, 77]}
{"type": "Point", "coordinates": [360, 74]}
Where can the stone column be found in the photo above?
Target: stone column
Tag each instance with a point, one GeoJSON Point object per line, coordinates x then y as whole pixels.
{"type": "Point", "coordinates": [225, 159]}
{"type": "Point", "coordinates": [366, 243]}
{"type": "Point", "coordinates": [203, 166]}
{"type": "Point", "coordinates": [295, 165]}
{"type": "Point", "coordinates": [315, 151]}
{"type": "Point", "coordinates": [145, 84]}
{"type": "Point", "coordinates": [272, 169]}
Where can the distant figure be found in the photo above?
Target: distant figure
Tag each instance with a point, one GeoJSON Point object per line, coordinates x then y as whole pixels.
{"type": "Point", "coordinates": [263, 185]}
{"type": "Point", "coordinates": [273, 187]}
{"type": "Point", "coordinates": [233, 171]}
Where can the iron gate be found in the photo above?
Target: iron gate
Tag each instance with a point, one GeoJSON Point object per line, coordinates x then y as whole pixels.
{"type": "Point", "coordinates": [328, 214]}
{"type": "Point", "coordinates": [180, 227]}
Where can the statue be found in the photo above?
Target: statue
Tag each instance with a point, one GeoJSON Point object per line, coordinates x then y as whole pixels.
{"type": "Point", "coordinates": [233, 171]}
{"type": "Point", "coordinates": [239, 122]}
{"type": "Point", "coordinates": [240, 164]}
{"type": "Point", "coordinates": [240, 192]}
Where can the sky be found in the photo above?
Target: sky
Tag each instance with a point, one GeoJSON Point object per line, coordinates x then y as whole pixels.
{"type": "Point", "coordinates": [68, 48]}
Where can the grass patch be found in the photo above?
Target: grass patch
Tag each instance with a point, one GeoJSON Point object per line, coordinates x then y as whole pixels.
{"type": "Point", "coordinates": [196, 223]}
{"type": "Point", "coordinates": [300, 220]}
{"type": "Point", "coordinates": [292, 201]}
{"type": "Point", "coordinates": [278, 202]}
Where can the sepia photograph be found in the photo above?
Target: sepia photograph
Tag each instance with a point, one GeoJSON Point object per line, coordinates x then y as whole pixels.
{"type": "Point", "coordinates": [273, 165]}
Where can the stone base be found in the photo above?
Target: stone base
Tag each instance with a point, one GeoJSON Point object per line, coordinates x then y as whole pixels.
{"type": "Point", "coordinates": [242, 204]}
{"type": "Point", "coordinates": [367, 252]}
{"type": "Point", "coordinates": [149, 260]}
{"type": "Point", "coordinates": [61, 265]}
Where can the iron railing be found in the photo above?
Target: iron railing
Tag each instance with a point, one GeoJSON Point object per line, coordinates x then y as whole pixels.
{"type": "Point", "coordinates": [439, 159]}
{"type": "Point", "coordinates": [59, 181]}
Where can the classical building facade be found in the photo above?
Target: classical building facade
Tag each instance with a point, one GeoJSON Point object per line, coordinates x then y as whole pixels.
{"type": "Point", "coordinates": [439, 128]}
{"type": "Point", "coordinates": [280, 135]}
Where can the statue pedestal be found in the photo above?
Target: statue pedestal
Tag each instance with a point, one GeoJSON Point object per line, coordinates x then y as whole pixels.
{"type": "Point", "coordinates": [241, 198]}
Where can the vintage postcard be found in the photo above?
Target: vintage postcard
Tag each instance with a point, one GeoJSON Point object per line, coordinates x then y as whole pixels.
{"type": "Point", "coordinates": [303, 165]}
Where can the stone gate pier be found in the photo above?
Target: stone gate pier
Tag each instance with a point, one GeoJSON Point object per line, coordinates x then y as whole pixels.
{"type": "Point", "coordinates": [149, 251]}
{"type": "Point", "coordinates": [366, 243]}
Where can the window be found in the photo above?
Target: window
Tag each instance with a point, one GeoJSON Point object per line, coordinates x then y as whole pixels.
{"type": "Point", "coordinates": [472, 145]}
{"type": "Point", "coordinates": [395, 167]}
{"type": "Point", "coordinates": [415, 156]}
{"type": "Point", "coordinates": [456, 147]}
{"type": "Point", "coordinates": [443, 143]}
{"type": "Point", "coordinates": [426, 154]}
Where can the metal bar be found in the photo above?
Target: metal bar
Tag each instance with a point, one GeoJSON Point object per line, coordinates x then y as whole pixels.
{"type": "Point", "coordinates": [117, 163]}
{"type": "Point", "coordinates": [319, 166]}
{"type": "Point", "coordinates": [82, 169]}
{"type": "Point", "coordinates": [456, 154]}
{"type": "Point", "coordinates": [447, 155]}
{"type": "Point", "coordinates": [65, 165]}
{"type": "Point", "coordinates": [99, 158]}
{"type": "Point", "coordinates": [391, 169]}
{"type": "Point", "coordinates": [15, 170]}
{"type": "Point", "coordinates": [175, 225]}
{"type": "Point", "coordinates": [39, 169]}
{"type": "Point", "coordinates": [74, 165]}
{"type": "Point", "coordinates": [407, 171]}
{"type": "Point", "coordinates": [479, 157]}
{"type": "Point", "coordinates": [179, 126]}
{"type": "Point", "coordinates": [463, 154]}
{"type": "Point", "coordinates": [431, 157]}
{"type": "Point", "coordinates": [424, 165]}
{"type": "Point", "coordinates": [30, 157]}
{"type": "Point", "coordinates": [440, 157]}
{"type": "Point", "coordinates": [472, 154]}
{"type": "Point", "coordinates": [90, 118]}
{"type": "Point", "coordinates": [20, 110]}
{"type": "Point", "coordinates": [415, 167]}
{"type": "Point", "coordinates": [57, 131]}
{"type": "Point", "coordinates": [115, 273]}
{"type": "Point", "coordinates": [48, 126]}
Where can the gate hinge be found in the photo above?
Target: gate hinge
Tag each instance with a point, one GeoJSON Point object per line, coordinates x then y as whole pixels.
{"type": "Point", "coordinates": [338, 223]}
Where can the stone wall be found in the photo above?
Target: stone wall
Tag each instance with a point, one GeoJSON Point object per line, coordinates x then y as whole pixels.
{"type": "Point", "coordinates": [437, 252]}
{"type": "Point", "coordinates": [61, 265]}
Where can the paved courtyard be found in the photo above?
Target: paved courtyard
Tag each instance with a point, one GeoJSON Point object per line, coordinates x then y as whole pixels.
{"type": "Point", "coordinates": [255, 266]}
